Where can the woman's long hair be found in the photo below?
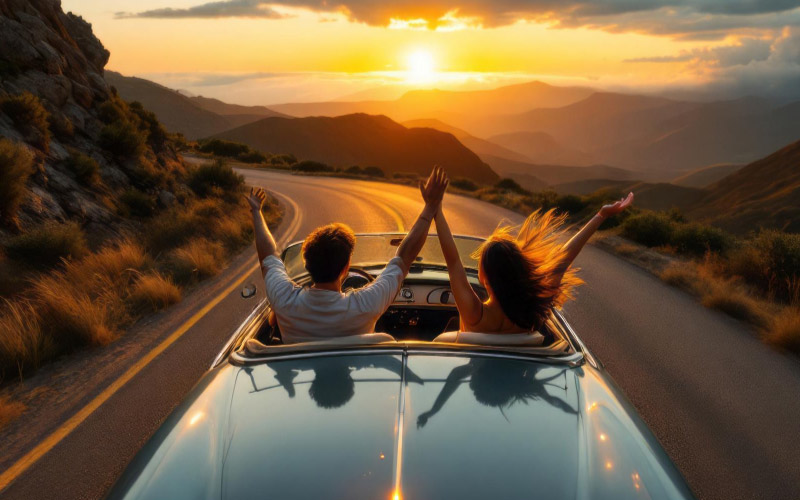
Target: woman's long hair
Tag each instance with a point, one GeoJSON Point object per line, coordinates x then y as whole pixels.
{"type": "Point", "coordinates": [523, 271]}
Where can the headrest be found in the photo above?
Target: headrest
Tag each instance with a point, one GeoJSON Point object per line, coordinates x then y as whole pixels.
{"type": "Point", "coordinates": [534, 339]}
{"type": "Point", "coordinates": [254, 347]}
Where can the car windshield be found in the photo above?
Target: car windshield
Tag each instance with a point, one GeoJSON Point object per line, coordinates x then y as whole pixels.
{"type": "Point", "coordinates": [378, 249]}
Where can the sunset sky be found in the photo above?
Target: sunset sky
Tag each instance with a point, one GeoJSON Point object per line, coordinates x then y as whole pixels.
{"type": "Point", "coordinates": [248, 51]}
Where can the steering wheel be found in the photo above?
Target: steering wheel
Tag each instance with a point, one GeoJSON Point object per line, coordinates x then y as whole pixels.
{"type": "Point", "coordinates": [360, 272]}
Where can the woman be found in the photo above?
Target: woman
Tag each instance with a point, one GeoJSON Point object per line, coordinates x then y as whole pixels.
{"type": "Point", "coordinates": [525, 276]}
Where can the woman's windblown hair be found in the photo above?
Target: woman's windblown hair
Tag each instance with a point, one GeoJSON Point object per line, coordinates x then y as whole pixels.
{"type": "Point", "coordinates": [525, 272]}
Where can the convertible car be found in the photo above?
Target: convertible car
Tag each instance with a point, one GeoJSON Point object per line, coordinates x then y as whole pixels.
{"type": "Point", "coordinates": [412, 415]}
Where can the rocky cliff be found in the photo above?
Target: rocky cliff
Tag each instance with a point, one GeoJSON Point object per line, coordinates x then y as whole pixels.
{"type": "Point", "coordinates": [88, 146]}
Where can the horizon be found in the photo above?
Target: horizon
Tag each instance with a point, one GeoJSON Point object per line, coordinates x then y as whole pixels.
{"type": "Point", "coordinates": [252, 52]}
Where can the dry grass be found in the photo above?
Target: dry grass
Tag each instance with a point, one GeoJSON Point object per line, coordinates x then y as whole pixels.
{"type": "Point", "coordinates": [154, 292]}
{"type": "Point", "coordinates": [72, 317]}
{"type": "Point", "coordinates": [114, 265]}
{"type": "Point", "coordinates": [23, 344]}
{"type": "Point", "coordinates": [785, 330]}
{"type": "Point", "coordinates": [198, 259]}
{"type": "Point", "coordinates": [10, 410]}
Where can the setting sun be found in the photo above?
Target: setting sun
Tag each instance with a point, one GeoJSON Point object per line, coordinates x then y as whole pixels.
{"type": "Point", "coordinates": [420, 67]}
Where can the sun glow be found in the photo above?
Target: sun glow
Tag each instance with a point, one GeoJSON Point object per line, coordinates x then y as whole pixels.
{"type": "Point", "coordinates": [420, 67]}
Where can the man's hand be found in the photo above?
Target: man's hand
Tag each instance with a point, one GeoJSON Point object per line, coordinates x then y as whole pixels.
{"type": "Point", "coordinates": [615, 208]}
{"type": "Point", "coordinates": [256, 199]}
{"type": "Point", "coordinates": [433, 189]}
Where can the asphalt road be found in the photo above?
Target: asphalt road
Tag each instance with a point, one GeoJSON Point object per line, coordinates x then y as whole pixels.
{"type": "Point", "coordinates": [725, 406]}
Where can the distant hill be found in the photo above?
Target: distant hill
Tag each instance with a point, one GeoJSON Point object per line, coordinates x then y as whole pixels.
{"type": "Point", "coordinates": [540, 147]}
{"type": "Point", "coordinates": [364, 140]}
{"type": "Point", "coordinates": [225, 109]}
{"type": "Point", "coordinates": [558, 174]}
{"type": "Point", "coordinates": [455, 107]}
{"type": "Point", "coordinates": [705, 176]}
{"type": "Point", "coordinates": [479, 146]}
{"type": "Point", "coordinates": [194, 117]}
{"type": "Point", "coordinates": [765, 193]}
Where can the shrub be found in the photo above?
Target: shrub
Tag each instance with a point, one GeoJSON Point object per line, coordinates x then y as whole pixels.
{"type": "Point", "coordinates": [61, 126]}
{"type": "Point", "coordinates": [354, 170]}
{"type": "Point", "coordinates": [84, 167]}
{"type": "Point", "coordinates": [464, 183]}
{"type": "Point", "coordinates": [374, 172]}
{"type": "Point", "coordinates": [252, 157]}
{"type": "Point", "coordinates": [283, 159]}
{"type": "Point", "coordinates": [544, 200]}
{"type": "Point", "coordinates": [45, 245]}
{"type": "Point", "coordinates": [311, 167]}
{"type": "Point", "coordinates": [30, 116]}
{"type": "Point", "coordinates": [112, 111]}
{"type": "Point", "coordinates": [70, 316]}
{"type": "Point", "coordinates": [114, 266]}
{"type": "Point", "coordinates": [156, 135]}
{"type": "Point", "coordinates": [135, 203]}
{"type": "Point", "coordinates": [222, 147]}
{"type": "Point", "coordinates": [171, 229]}
{"type": "Point", "coordinates": [23, 345]}
{"type": "Point", "coordinates": [511, 185]}
{"type": "Point", "coordinates": [697, 239]}
{"type": "Point", "coordinates": [154, 292]}
{"type": "Point", "coordinates": [736, 303]}
{"type": "Point", "coordinates": [122, 138]}
{"type": "Point", "coordinates": [218, 174]}
{"type": "Point", "coordinates": [649, 228]}
{"type": "Point", "coordinates": [16, 165]}
{"type": "Point", "coordinates": [570, 204]}
{"type": "Point", "coordinates": [197, 259]}
{"type": "Point", "coordinates": [771, 261]}
{"type": "Point", "coordinates": [785, 330]}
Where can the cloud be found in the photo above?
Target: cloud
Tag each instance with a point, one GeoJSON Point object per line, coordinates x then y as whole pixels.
{"type": "Point", "coordinates": [698, 19]}
{"type": "Point", "coordinates": [223, 8]}
{"type": "Point", "coordinates": [744, 51]}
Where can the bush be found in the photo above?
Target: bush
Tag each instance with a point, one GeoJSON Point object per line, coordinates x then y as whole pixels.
{"type": "Point", "coordinates": [171, 229]}
{"type": "Point", "coordinates": [697, 239]}
{"type": "Point", "coordinates": [23, 345]}
{"type": "Point", "coordinates": [464, 183]}
{"type": "Point", "coordinates": [156, 135]}
{"type": "Point", "coordinates": [354, 170]}
{"type": "Point", "coordinates": [649, 228]}
{"type": "Point", "coordinates": [252, 157]}
{"type": "Point", "coordinates": [136, 204]}
{"type": "Point", "coordinates": [61, 126]}
{"type": "Point", "coordinates": [30, 116]}
{"type": "Point", "coordinates": [283, 159]}
{"type": "Point", "coordinates": [218, 174]}
{"type": "Point", "coordinates": [311, 167]}
{"type": "Point", "coordinates": [222, 147]}
{"type": "Point", "coordinates": [16, 165]}
{"type": "Point", "coordinates": [84, 167]}
{"type": "Point", "coordinates": [154, 292]}
{"type": "Point", "coordinates": [785, 330]}
{"type": "Point", "coordinates": [570, 204]}
{"type": "Point", "coordinates": [112, 111]}
{"type": "Point", "coordinates": [374, 172]}
{"type": "Point", "coordinates": [47, 244]}
{"type": "Point", "coordinates": [113, 266]}
{"type": "Point", "coordinates": [195, 260]}
{"type": "Point", "coordinates": [511, 185]}
{"type": "Point", "coordinates": [122, 139]}
{"type": "Point", "coordinates": [771, 262]}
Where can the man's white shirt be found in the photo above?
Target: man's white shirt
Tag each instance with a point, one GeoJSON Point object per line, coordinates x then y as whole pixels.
{"type": "Point", "coordinates": [306, 314]}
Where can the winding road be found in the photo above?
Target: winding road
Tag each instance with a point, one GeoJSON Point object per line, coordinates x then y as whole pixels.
{"type": "Point", "coordinates": [725, 406]}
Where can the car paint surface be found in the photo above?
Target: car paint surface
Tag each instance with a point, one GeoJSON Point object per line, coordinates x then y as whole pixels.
{"type": "Point", "coordinates": [403, 424]}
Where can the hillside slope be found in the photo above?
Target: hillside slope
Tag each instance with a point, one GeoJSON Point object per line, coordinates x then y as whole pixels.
{"type": "Point", "coordinates": [227, 109]}
{"type": "Point", "coordinates": [558, 174]}
{"type": "Point", "coordinates": [705, 176]}
{"type": "Point", "coordinates": [765, 193]}
{"type": "Point", "coordinates": [364, 140]}
{"type": "Point", "coordinates": [480, 146]}
{"type": "Point", "coordinates": [540, 147]}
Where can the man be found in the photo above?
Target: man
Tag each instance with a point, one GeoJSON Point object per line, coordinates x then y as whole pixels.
{"type": "Point", "coordinates": [322, 310]}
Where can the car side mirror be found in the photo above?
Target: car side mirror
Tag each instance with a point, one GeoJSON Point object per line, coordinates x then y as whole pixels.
{"type": "Point", "coordinates": [249, 290]}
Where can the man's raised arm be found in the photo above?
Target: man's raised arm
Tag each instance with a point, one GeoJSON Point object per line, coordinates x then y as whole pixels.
{"type": "Point", "coordinates": [432, 193]}
{"type": "Point", "coordinates": [265, 243]}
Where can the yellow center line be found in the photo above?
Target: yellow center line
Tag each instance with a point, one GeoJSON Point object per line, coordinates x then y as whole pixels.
{"type": "Point", "coordinates": [30, 458]}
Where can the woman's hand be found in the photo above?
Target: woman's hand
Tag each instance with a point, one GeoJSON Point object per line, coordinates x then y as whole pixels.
{"type": "Point", "coordinates": [433, 189]}
{"type": "Point", "coordinates": [615, 208]}
{"type": "Point", "coordinates": [256, 199]}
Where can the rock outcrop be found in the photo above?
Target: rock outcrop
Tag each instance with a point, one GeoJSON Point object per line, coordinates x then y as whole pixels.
{"type": "Point", "coordinates": [55, 57]}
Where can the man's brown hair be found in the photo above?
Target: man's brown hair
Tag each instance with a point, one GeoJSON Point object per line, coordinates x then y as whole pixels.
{"type": "Point", "coordinates": [327, 250]}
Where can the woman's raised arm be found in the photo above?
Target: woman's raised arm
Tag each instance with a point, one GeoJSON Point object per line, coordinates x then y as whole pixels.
{"type": "Point", "coordinates": [467, 301]}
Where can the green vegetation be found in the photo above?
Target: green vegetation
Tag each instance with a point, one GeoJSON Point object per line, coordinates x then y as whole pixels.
{"type": "Point", "coordinates": [122, 139]}
{"type": "Point", "coordinates": [47, 244]}
{"type": "Point", "coordinates": [308, 166]}
{"type": "Point", "coordinates": [213, 177]}
{"type": "Point", "coordinates": [84, 167]}
{"type": "Point", "coordinates": [511, 185]}
{"type": "Point", "coordinates": [16, 165]}
{"type": "Point", "coordinates": [135, 203]}
{"type": "Point", "coordinates": [30, 116]}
